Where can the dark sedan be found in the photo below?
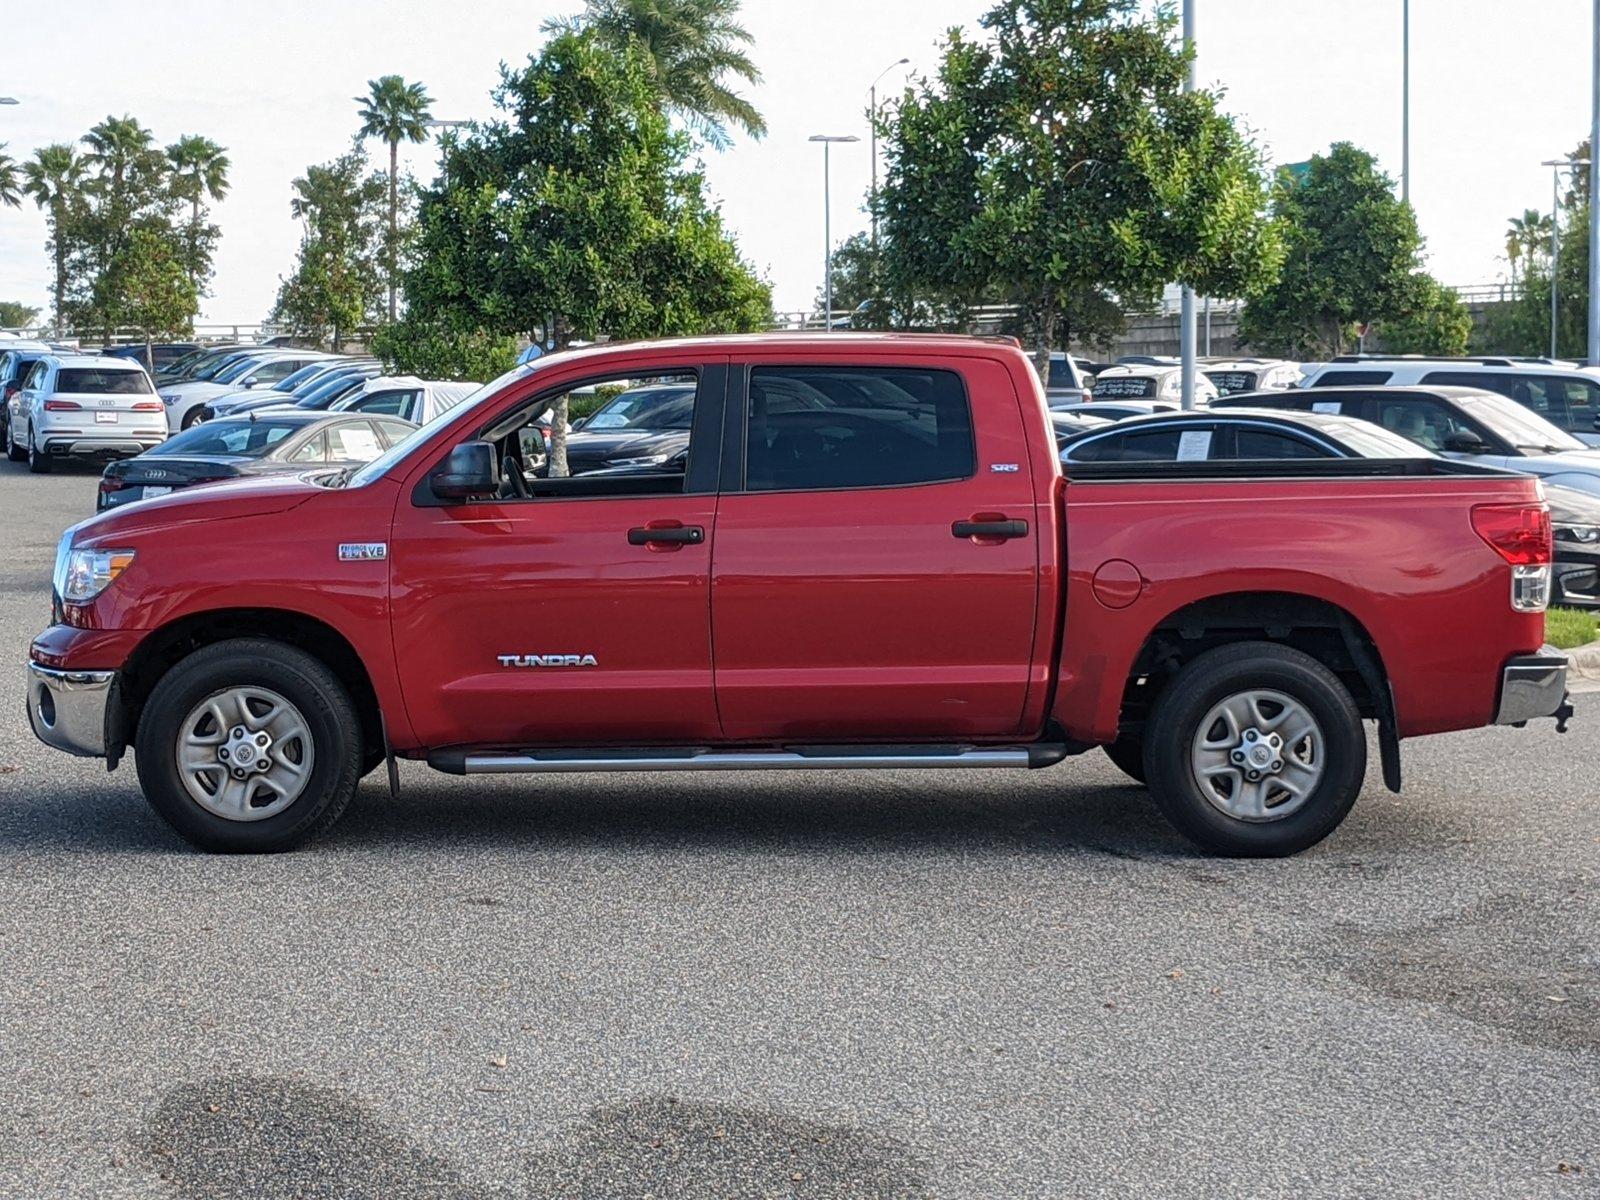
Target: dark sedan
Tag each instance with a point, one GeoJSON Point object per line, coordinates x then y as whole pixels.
{"type": "Point", "coordinates": [1239, 434]}
{"type": "Point", "coordinates": [640, 428]}
{"type": "Point", "coordinates": [1575, 521]}
{"type": "Point", "coordinates": [258, 444]}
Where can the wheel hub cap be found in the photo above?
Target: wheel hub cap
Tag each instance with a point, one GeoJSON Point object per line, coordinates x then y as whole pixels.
{"type": "Point", "coordinates": [244, 753]}
{"type": "Point", "coordinates": [1258, 755]}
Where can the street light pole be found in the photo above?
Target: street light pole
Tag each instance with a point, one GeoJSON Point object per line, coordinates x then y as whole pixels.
{"type": "Point", "coordinates": [827, 141]}
{"type": "Point", "coordinates": [872, 112]}
{"type": "Point", "coordinates": [1594, 196]}
{"type": "Point", "coordinates": [1186, 322]}
{"type": "Point", "coordinates": [1405, 101]}
{"type": "Point", "coordinates": [1555, 165]}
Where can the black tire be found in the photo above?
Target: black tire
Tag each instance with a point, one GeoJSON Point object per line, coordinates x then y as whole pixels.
{"type": "Point", "coordinates": [296, 676]}
{"type": "Point", "coordinates": [14, 452]}
{"type": "Point", "coordinates": [189, 418]}
{"type": "Point", "coordinates": [38, 461]}
{"type": "Point", "coordinates": [1128, 754]}
{"type": "Point", "coordinates": [1208, 680]}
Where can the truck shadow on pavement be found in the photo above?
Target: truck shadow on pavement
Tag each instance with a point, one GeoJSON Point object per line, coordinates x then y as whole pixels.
{"type": "Point", "coordinates": [271, 1138]}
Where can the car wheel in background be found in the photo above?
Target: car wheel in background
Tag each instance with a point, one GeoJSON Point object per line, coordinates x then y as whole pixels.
{"type": "Point", "coordinates": [1256, 750]}
{"type": "Point", "coordinates": [38, 461]}
{"type": "Point", "coordinates": [249, 746]}
{"type": "Point", "coordinates": [14, 452]}
{"type": "Point", "coordinates": [190, 418]}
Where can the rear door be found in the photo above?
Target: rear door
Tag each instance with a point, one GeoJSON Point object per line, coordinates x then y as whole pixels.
{"type": "Point", "coordinates": [876, 570]}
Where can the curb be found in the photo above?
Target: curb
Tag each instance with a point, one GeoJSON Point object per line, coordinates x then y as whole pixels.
{"type": "Point", "coordinates": [1583, 666]}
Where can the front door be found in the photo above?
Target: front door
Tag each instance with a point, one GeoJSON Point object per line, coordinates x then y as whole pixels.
{"type": "Point", "coordinates": [876, 569]}
{"type": "Point", "coordinates": [567, 609]}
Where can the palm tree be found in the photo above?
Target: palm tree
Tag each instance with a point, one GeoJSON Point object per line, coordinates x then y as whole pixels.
{"type": "Point", "coordinates": [199, 170]}
{"type": "Point", "coordinates": [1526, 236]}
{"type": "Point", "coordinates": [691, 47]}
{"type": "Point", "coordinates": [9, 193]}
{"type": "Point", "coordinates": [115, 146]}
{"type": "Point", "coordinates": [53, 179]}
{"type": "Point", "coordinates": [394, 110]}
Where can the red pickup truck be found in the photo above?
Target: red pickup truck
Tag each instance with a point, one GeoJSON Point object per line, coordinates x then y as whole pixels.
{"type": "Point", "coordinates": [867, 556]}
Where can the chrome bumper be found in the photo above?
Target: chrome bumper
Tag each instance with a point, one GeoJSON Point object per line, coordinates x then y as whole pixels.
{"type": "Point", "coordinates": [1532, 686]}
{"type": "Point", "coordinates": [67, 709]}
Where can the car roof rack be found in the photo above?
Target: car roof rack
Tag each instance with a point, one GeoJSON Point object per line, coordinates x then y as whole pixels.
{"type": "Point", "coordinates": [1482, 360]}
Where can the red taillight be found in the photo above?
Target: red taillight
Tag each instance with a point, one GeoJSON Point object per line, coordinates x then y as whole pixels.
{"type": "Point", "coordinates": [147, 406]}
{"type": "Point", "coordinates": [1519, 533]}
{"type": "Point", "coordinates": [109, 484]}
{"type": "Point", "coordinates": [62, 406]}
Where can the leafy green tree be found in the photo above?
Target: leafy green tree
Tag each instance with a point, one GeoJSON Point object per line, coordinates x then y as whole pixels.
{"type": "Point", "coordinates": [1526, 237]}
{"type": "Point", "coordinates": [146, 287]}
{"type": "Point", "coordinates": [690, 48]}
{"type": "Point", "coordinates": [337, 283]}
{"type": "Point", "coordinates": [1059, 162]}
{"type": "Point", "coordinates": [199, 172]}
{"type": "Point", "coordinates": [10, 186]}
{"type": "Point", "coordinates": [54, 180]}
{"type": "Point", "coordinates": [575, 216]}
{"type": "Point", "coordinates": [1433, 321]}
{"type": "Point", "coordinates": [439, 352]}
{"type": "Point", "coordinates": [1353, 254]}
{"type": "Point", "coordinates": [395, 111]}
{"type": "Point", "coordinates": [17, 316]}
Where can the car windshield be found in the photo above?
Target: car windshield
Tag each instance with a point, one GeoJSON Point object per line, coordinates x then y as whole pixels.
{"type": "Point", "coordinates": [295, 378]}
{"type": "Point", "coordinates": [1062, 374]}
{"type": "Point", "coordinates": [1523, 429]}
{"type": "Point", "coordinates": [238, 370]}
{"type": "Point", "coordinates": [324, 392]}
{"type": "Point", "coordinates": [211, 369]}
{"type": "Point", "coordinates": [645, 408]}
{"type": "Point", "coordinates": [1374, 441]}
{"type": "Point", "coordinates": [232, 439]}
{"type": "Point", "coordinates": [380, 465]}
{"type": "Point", "coordinates": [101, 381]}
{"type": "Point", "coordinates": [1124, 386]}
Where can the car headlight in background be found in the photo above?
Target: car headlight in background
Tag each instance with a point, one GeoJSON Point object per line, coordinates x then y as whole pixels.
{"type": "Point", "coordinates": [170, 398]}
{"type": "Point", "coordinates": [81, 575]}
{"type": "Point", "coordinates": [650, 460]}
{"type": "Point", "coordinates": [1583, 535]}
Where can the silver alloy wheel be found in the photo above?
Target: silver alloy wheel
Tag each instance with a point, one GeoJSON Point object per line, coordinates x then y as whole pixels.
{"type": "Point", "coordinates": [244, 753]}
{"type": "Point", "coordinates": [1258, 755]}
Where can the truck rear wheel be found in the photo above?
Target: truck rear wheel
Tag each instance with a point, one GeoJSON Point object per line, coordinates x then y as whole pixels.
{"type": "Point", "coordinates": [249, 746]}
{"type": "Point", "coordinates": [1255, 750]}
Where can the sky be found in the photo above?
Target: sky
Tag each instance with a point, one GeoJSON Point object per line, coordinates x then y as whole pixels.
{"type": "Point", "coordinates": [1496, 88]}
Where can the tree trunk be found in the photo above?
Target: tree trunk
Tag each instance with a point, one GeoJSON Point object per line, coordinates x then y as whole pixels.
{"type": "Point", "coordinates": [557, 466]}
{"type": "Point", "coordinates": [61, 276]}
{"type": "Point", "coordinates": [194, 238]}
{"type": "Point", "coordinates": [1045, 339]}
{"type": "Point", "coordinates": [394, 165]}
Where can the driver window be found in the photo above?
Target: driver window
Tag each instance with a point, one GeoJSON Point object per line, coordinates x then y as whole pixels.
{"type": "Point", "coordinates": [623, 436]}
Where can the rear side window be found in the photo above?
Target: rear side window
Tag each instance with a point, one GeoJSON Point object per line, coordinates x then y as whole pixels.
{"type": "Point", "coordinates": [1062, 375]}
{"type": "Point", "coordinates": [812, 428]}
{"type": "Point", "coordinates": [98, 381]}
{"type": "Point", "coordinates": [1155, 446]}
{"type": "Point", "coordinates": [1569, 403]}
{"type": "Point", "coordinates": [1262, 443]}
{"type": "Point", "coordinates": [391, 404]}
{"type": "Point", "coordinates": [1351, 378]}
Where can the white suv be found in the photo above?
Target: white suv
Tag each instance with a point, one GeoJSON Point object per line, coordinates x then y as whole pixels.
{"type": "Point", "coordinates": [84, 404]}
{"type": "Point", "coordinates": [1566, 396]}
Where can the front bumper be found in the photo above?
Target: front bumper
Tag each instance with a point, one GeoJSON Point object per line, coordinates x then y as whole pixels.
{"type": "Point", "coordinates": [1533, 686]}
{"type": "Point", "coordinates": [67, 709]}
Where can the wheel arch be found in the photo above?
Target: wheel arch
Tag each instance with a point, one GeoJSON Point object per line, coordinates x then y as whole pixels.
{"type": "Point", "coordinates": [165, 647]}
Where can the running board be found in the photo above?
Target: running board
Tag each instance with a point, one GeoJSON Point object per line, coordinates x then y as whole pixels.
{"type": "Point", "coordinates": [702, 758]}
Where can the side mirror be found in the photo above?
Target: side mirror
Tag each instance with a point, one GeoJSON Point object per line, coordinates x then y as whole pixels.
{"type": "Point", "coordinates": [249, 383]}
{"type": "Point", "coordinates": [582, 421]}
{"type": "Point", "coordinates": [1464, 441]}
{"type": "Point", "coordinates": [469, 473]}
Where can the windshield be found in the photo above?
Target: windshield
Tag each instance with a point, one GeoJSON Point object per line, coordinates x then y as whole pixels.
{"type": "Point", "coordinates": [324, 392]}
{"type": "Point", "coordinates": [646, 408]}
{"type": "Point", "coordinates": [238, 439]}
{"type": "Point", "coordinates": [380, 465]}
{"type": "Point", "coordinates": [295, 378]}
{"type": "Point", "coordinates": [1523, 429]}
{"type": "Point", "coordinates": [1374, 441]}
{"type": "Point", "coordinates": [238, 370]}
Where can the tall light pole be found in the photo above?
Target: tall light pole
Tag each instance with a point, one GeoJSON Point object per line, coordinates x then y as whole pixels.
{"type": "Point", "coordinates": [1555, 165]}
{"type": "Point", "coordinates": [1186, 329]}
{"type": "Point", "coordinates": [1405, 101]}
{"type": "Point", "coordinates": [1594, 197]}
{"type": "Point", "coordinates": [872, 111]}
{"type": "Point", "coordinates": [827, 141]}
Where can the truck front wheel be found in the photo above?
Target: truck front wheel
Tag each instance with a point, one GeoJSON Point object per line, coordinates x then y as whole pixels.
{"type": "Point", "coordinates": [249, 746]}
{"type": "Point", "coordinates": [1255, 750]}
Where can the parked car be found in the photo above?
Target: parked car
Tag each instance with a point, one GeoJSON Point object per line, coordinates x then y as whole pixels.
{"type": "Point", "coordinates": [1069, 382]}
{"type": "Point", "coordinates": [406, 396]}
{"type": "Point", "coordinates": [1459, 423]}
{"type": "Point", "coordinates": [1251, 375]}
{"type": "Point", "coordinates": [888, 572]}
{"type": "Point", "coordinates": [1136, 381]}
{"type": "Point", "coordinates": [258, 444]}
{"type": "Point", "coordinates": [1566, 396]}
{"type": "Point", "coordinates": [259, 368]}
{"type": "Point", "coordinates": [1116, 410]}
{"type": "Point", "coordinates": [83, 405]}
{"type": "Point", "coordinates": [1575, 521]}
{"type": "Point", "coordinates": [1069, 426]}
{"type": "Point", "coordinates": [640, 427]}
{"type": "Point", "coordinates": [190, 364]}
{"type": "Point", "coordinates": [16, 358]}
{"type": "Point", "coordinates": [154, 356]}
{"type": "Point", "coordinates": [289, 391]}
{"type": "Point", "coordinates": [1235, 434]}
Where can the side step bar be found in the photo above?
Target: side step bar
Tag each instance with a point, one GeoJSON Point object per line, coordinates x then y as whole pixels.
{"type": "Point", "coordinates": [704, 758]}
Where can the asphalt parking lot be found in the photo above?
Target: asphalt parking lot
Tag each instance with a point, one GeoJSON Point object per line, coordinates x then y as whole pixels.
{"type": "Point", "coordinates": [817, 986]}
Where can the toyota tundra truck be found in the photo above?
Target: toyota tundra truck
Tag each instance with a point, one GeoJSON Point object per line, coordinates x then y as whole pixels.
{"type": "Point", "coordinates": [868, 557]}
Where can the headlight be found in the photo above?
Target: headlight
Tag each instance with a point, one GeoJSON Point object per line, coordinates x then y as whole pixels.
{"type": "Point", "coordinates": [652, 460]}
{"type": "Point", "coordinates": [170, 398]}
{"type": "Point", "coordinates": [1585, 535]}
{"type": "Point", "coordinates": [81, 575]}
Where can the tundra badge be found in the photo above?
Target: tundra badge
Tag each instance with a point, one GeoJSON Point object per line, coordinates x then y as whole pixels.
{"type": "Point", "coordinates": [547, 660]}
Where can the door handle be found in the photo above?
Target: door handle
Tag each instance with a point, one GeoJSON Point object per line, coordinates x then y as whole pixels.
{"type": "Point", "coordinates": [667, 535]}
{"type": "Point", "coordinates": [1001, 529]}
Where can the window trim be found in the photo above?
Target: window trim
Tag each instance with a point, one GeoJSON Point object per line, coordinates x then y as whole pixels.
{"type": "Point", "coordinates": [735, 477]}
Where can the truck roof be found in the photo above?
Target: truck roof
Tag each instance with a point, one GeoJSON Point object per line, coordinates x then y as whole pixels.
{"type": "Point", "coordinates": [784, 339]}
